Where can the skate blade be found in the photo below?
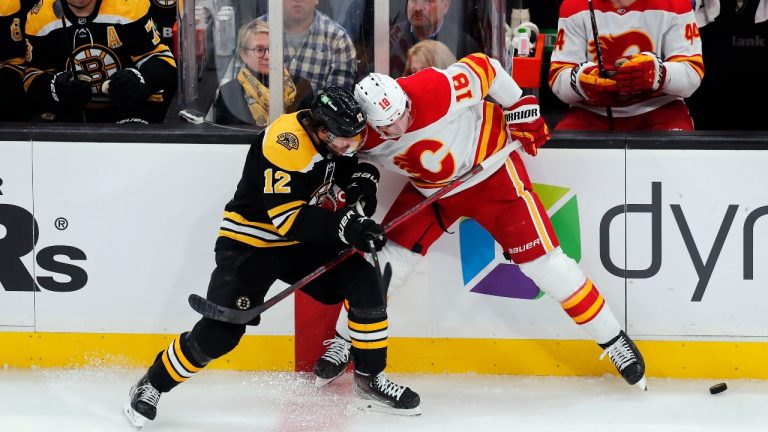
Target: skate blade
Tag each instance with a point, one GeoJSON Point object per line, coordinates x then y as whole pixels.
{"type": "Point", "coordinates": [373, 406]}
{"type": "Point", "coordinates": [643, 384]}
{"type": "Point", "coordinates": [135, 419]}
{"type": "Point", "coordinates": [322, 382]}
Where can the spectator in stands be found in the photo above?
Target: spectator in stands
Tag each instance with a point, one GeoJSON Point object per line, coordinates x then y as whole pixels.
{"type": "Point", "coordinates": [245, 99]}
{"type": "Point", "coordinates": [426, 20]}
{"type": "Point", "coordinates": [316, 47]}
{"type": "Point", "coordinates": [652, 58]}
{"type": "Point", "coordinates": [97, 61]}
{"type": "Point", "coordinates": [13, 107]}
{"type": "Point", "coordinates": [428, 53]}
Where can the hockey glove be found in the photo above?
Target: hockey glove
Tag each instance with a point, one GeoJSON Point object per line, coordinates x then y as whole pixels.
{"type": "Point", "coordinates": [356, 230]}
{"type": "Point", "coordinates": [71, 90]}
{"type": "Point", "coordinates": [128, 87]}
{"type": "Point", "coordinates": [641, 73]}
{"type": "Point", "coordinates": [596, 90]}
{"type": "Point", "coordinates": [525, 124]}
{"type": "Point", "coordinates": [362, 190]}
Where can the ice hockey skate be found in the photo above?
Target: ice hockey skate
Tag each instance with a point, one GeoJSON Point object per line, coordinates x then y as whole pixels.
{"type": "Point", "coordinates": [142, 407]}
{"type": "Point", "coordinates": [627, 359]}
{"type": "Point", "coordinates": [379, 394]}
{"type": "Point", "coordinates": [334, 362]}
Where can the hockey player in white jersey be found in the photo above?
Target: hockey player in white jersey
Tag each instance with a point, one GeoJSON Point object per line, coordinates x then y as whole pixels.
{"type": "Point", "coordinates": [651, 52]}
{"type": "Point", "coordinates": [432, 127]}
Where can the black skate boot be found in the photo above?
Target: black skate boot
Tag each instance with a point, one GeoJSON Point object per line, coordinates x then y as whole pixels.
{"type": "Point", "coordinates": [377, 393]}
{"type": "Point", "coordinates": [627, 359]}
{"type": "Point", "coordinates": [334, 362]}
{"type": "Point", "coordinates": [143, 405]}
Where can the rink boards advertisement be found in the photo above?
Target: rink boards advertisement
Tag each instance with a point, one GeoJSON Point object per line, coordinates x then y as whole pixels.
{"type": "Point", "coordinates": [110, 239]}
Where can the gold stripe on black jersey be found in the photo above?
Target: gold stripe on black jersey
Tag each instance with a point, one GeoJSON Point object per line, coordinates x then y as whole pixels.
{"type": "Point", "coordinates": [256, 234]}
{"type": "Point", "coordinates": [161, 51]}
{"type": "Point", "coordinates": [284, 215]}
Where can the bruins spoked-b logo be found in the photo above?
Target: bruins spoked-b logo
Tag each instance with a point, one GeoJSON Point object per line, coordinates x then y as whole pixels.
{"type": "Point", "coordinates": [165, 3]}
{"type": "Point", "coordinates": [288, 140]}
{"type": "Point", "coordinates": [243, 303]}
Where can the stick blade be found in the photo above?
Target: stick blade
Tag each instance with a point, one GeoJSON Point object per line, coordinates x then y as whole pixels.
{"type": "Point", "coordinates": [204, 307]}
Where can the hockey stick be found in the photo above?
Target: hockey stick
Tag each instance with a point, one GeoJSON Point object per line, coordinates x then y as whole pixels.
{"type": "Point", "coordinates": [599, 53]}
{"type": "Point", "coordinates": [211, 310]}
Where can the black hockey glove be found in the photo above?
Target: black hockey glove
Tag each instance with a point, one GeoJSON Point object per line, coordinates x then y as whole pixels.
{"type": "Point", "coordinates": [72, 91]}
{"type": "Point", "coordinates": [356, 230]}
{"type": "Point", "coordinates": [128, 87]}
{"type": "Point", "coordinates": [365, 184]}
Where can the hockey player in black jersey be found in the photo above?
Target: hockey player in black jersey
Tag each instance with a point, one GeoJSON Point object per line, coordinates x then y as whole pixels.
{"type": "Point", "coordinates": [13, 107]}
{"type": "Point", "coordinates": [282, 223]}
{"type": "Point", "coordinates": [164, 15]}
{"type": "Point", "coordinates": [97, 61]}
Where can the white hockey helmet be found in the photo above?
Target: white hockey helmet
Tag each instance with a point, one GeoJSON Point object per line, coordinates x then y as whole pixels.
{"type": "Point", "coordinates": [382, 99]}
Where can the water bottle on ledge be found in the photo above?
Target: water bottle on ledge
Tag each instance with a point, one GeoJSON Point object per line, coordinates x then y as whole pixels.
{"type": "Point", "coordinates": [224, 31]}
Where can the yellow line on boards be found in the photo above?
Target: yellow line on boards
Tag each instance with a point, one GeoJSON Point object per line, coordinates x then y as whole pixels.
{"type": "Point", "coordinates": [669, 359]}
{"type": "Point", "coordinates": [23, 350]}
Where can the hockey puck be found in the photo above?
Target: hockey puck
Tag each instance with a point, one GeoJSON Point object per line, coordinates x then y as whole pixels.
{"type": "Point", "coordinates": [718, 388]}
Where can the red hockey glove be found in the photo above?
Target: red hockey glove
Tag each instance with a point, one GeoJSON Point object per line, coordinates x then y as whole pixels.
{"type": "Point", "coordinates": [596, 90]}
{"type": "Point", "coordinates": [641, 73]}
{"type": "Point", "coordinates": [525, 124]}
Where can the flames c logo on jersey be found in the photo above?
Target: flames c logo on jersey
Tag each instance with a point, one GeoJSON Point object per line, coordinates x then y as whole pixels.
{"type": "Point", "coordinates": [424, 161]}
{"type": "Point", "coordinates": [622, 45]}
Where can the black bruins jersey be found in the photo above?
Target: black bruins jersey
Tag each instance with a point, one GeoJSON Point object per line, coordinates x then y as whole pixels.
{"type": "Point", "coordinates": [14, 106]}
{"type": "Point", "coordinates": [163, 13]}
{"type": "Point", "coordinates": [285, 195]}
{"type": "Point", "coordinates": [11, 35]}
{"type": "Point", "coordinates": [119, 34]}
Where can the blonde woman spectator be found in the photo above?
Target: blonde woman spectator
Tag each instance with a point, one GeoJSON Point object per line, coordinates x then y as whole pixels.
{"type": "Point", "coordinates": [245, 99]}
{"type": "Point", "coordinates": [428, 53]}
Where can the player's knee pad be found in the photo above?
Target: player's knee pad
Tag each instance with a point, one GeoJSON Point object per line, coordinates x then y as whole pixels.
{"type": "Point", "coordinates": [402, 261]}
{"type": "Point", "coordinates": [216, 338]}
{"type": "Point", "coordinates": [555, 273]}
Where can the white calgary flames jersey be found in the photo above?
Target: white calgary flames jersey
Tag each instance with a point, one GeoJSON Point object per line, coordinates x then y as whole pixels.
{"type": "Point", "coordinates": [665, 27]}
{"type": "Point", "coordinates": [453, 128]}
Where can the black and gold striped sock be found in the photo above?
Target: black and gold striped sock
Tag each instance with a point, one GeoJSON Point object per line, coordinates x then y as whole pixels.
{"type": "Point", "coordinates": [182, 359]}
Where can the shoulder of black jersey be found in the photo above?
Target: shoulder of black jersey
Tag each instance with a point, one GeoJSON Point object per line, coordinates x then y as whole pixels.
{"type": "Point", "coordinates": [164, 4]}
{"type": "Point", "coordinates": [9, 7]}
{"type": "Point", "coordinates": [122, 12]}
{"type": "Point", "coordinates": [287, 145]}
{"type": "Point", "coordinates": [41, 20]}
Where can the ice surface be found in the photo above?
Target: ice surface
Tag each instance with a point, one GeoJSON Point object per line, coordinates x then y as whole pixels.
{"type": "Point", "coordinates": [91, 400]}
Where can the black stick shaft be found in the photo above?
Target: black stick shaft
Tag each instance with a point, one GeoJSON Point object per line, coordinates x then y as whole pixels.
{"type": "Point", "coordinates": [599, 53]}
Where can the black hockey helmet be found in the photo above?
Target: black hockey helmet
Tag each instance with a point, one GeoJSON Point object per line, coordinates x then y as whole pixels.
{"type": "Point", "coordinates": [336, 110]}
